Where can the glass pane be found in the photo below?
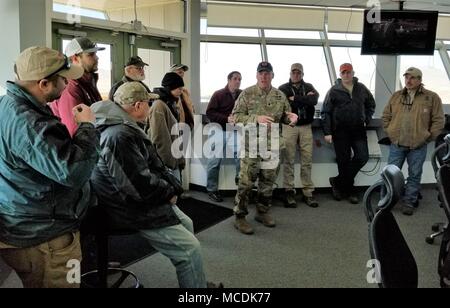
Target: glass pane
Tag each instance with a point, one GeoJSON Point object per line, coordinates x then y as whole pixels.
{"type": "Point", "coordinates": [364, 66]}
{"type": "Point", "coordinates": [434, 75]}
{"type": "Point", "coordinates": [70, 9]}
{"type": "Point", "coordinates": [159, 63]}
{"type": "Point", "coordinates": [292, 34]}
{"type": "Point", "coordinates": [230, 31]}
{"type": "Point", "coordinates": [312, 59]}
{"type": "Point", "coordinates": [344, 36]}
{"type": "Point", "coordinates": [104, 68]}
{"type": "Point", "coordinates": [217, 60]}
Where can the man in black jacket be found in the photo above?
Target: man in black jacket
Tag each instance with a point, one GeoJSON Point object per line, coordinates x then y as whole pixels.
{"type": "Point", "coordinates": [346, 111]}
{"type": "Point", "coordinates": [303, 97]}
{"type": "Point", "coordinates": [136, 188]}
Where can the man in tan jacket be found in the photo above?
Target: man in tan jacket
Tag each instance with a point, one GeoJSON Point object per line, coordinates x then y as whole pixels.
{"type": "Point", "coordinates": [412, 118]}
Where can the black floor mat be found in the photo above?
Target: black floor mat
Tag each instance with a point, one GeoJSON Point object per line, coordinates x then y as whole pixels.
{"type": "Point", "coordinates": [129, 249]}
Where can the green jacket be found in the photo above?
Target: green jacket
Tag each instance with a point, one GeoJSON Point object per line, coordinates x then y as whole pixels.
{"type": "Point", "coordinates": [44, 173]}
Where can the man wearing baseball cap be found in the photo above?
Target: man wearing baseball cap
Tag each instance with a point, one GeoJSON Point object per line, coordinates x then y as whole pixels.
{"type": "Point", "coordinates": [148, 200]}
{"type": "Point", "coordinates": [44, 180]}
{"type": "Point", "coordinates": [412, 118]}
{"type": "Point", "coordinates": [303, 98]}
{"type": "Point", "coordinates": [185, 105]}
{"type": "Point", "coordinates": [264, 105]}
{"type": "Point", "coordinates": [347, 110]}
{"type": "Point", "coordinates": [134, 71]}
{"type": "Point", "coordinates": [83, 52]}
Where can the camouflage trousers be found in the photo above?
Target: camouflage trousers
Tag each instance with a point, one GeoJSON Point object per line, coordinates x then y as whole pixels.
{"type": "Point", "coordinates": [253, 169]}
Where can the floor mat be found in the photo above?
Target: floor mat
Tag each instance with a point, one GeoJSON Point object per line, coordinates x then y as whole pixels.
{"type": "Point", "coordinates": [129, 249]}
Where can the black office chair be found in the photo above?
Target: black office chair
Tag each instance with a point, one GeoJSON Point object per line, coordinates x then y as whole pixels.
{"type": "Point", "coordinates": [108, 274]}
{"type": "Point", "coordinates": [398, 268]}
{"type": "Point", "coordinates": [439, 152]}
{"type": "Point", "coordinates": [443, 181]}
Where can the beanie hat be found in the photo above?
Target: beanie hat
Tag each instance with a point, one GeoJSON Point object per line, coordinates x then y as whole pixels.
{"type": "Point", "coordinates": [172, 81]}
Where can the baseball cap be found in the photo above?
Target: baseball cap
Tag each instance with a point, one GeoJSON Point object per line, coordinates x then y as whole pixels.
{"type": "Point", "coordinates": [297, 66]}
{"type": "Point", "coordinates": [131, 92]}
{"type": "Point", "coordinates": [81, 44]}
{"type": "Point", "coordinates": [37, 63]}
{"type": "Point", "coordinates": [346, 67]}
{"type": "Point", "coordinates": [264, 66]}
{"type": "Point", "coordinates": [414, 72]}
{"type": "Point", "coordinates": [136, 61]}
{"type": "Point", "coordinates": [176, 67]}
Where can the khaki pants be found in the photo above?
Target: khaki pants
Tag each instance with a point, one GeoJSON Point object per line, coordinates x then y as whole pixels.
{"type": "Point", "coordinates": [301, 136]}
{"type": "Point", "coordinates": [45, 265]}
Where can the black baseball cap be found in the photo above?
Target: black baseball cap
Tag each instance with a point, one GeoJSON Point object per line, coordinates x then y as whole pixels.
{"type": "Point", "coordinates": [264, 66]}
{"type": "Point", "coordinates": [137, 61]}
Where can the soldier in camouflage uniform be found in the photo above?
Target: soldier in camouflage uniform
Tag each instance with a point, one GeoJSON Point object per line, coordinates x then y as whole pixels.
{"type": "Point", "coordinates": [261, 104]}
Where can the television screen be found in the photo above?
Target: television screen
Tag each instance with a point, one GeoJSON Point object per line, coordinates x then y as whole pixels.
{"type": "Point", "coordinates": [399, 33]}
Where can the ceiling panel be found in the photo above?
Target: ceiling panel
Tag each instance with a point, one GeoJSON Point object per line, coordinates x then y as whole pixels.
{"type": "Point", "coordinates": [111, 5]}
{"type": "Point", "coordinates": [442, 6]}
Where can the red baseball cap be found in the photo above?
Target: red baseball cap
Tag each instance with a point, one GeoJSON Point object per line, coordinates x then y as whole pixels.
{"type": "Point", "coordinates": [346, 67]}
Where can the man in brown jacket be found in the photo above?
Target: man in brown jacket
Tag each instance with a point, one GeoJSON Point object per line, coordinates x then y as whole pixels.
{"type": "Point", "coordinates": [412, 118]}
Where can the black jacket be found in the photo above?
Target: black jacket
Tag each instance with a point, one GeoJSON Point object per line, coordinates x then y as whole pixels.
{"type": "Point", "coordinates": [303, 104]}
{"type": "Point", "coordinates": [130, 178]}
{"type": "Point", "coordinates": [342, 111]}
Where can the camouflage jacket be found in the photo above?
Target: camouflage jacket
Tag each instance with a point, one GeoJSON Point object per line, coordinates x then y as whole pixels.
{"type": "Point", "coordinates": [254, 102]}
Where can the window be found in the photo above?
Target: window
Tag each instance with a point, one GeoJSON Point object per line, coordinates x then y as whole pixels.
{"type": "Point", "coordinates": [344, 36]}
{"type": "Point", "coordinates": [434, 75]}
{"type": "Point", "coordinates": [159, 63]}
{"type": "Point", "coordinates": [71, 10]}
{"type": "Point", "coordinates": [292, 34]}
{"type": "Point", "coordinates": [231, 31]}
{"type": "Point", "coordinates": [364, 66]}
{"type": "Point", "coordinates": [217, 60]}
{"type": "Point", "coordinates": [104, 68]}
{"type": "Point", "coordinates": [312, 58]}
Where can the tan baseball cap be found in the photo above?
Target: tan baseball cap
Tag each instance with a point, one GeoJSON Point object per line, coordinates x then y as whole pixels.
{"type": "Point", "coordinates": [37, 63]}
{"type": "Point", "coordinates": [297, 66]}
{"type": "Point", "coordinates": [414, 72]}
{"type": "Point", "coordinates": [132, 92]}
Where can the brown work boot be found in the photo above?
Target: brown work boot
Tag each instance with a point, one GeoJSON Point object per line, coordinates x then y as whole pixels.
{"type": "Point", "coordinates": [311, 202]}
{"type": "Point", "coordinates": [289, 201]}
{"type": "Point", "coordinates": [243, 226]}
{"type": "Point", "coordinates": [265, 219]}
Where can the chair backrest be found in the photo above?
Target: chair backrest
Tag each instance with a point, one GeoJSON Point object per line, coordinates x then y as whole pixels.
{"type": "Point", "coordinates": [397, 266]}
{"type": "Point", "coordinates": [443, 181]}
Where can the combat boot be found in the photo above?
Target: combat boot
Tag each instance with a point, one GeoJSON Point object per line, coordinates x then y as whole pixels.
{"type": "Point", "coordinates": [243, 226]}
{"type": "Point", "coordinates": [290, 202]}
{"type": "Point", "coordinates": [265, 219]}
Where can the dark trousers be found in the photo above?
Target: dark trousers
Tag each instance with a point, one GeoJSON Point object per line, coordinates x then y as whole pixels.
{"type": "Point", "coordinates": [346, 140]}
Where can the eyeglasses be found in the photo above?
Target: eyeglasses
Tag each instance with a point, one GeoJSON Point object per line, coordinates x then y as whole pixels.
{"type": "Point", "coordinates": [65, 66]}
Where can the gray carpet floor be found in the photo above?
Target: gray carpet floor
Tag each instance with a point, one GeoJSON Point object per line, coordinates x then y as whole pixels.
{"type": "Point", "coordinates": [325, 247]}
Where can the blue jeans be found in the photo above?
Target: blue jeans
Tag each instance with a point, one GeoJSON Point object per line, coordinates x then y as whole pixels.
{"type": "Point", "coordinates": [415, 159]}
{"type": "Point", "coordinates": [227, 140]}
{"type": "Point", "coordinates": [179, 244]}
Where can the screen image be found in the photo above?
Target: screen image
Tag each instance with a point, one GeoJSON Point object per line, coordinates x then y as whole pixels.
{"type": "Point", "coordinates": [400, 33]}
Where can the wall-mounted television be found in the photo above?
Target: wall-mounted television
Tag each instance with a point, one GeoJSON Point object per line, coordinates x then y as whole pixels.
{"type": "Point", "coordinates": [399, 32]}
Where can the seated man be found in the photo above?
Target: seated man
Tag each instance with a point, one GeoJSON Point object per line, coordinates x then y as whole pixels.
{"type": "Point", "coordinates": [137, 189]}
